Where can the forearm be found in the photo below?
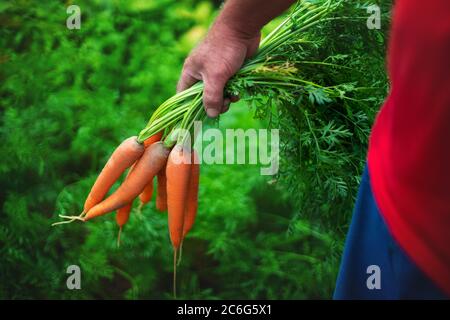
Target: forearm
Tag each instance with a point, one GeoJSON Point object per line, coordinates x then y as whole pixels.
{"type": "Point", "coordinates": [246, 17]}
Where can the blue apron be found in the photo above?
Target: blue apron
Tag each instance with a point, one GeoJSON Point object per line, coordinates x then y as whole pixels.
{"type": "Point", "coordinates": [373, 265]}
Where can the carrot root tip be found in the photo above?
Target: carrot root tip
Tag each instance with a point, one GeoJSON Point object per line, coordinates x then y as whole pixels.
{"type": "Point", "coordinates": [180, 250]}
{"type": "Point", "coordinates": [118, 237]}
{"type": "Point", "coordinates": [61, 222]}
{"type": "Point", "coordinates": [69, 219]}
{"type": "Point", "coordinates": [72, 217]}
{"type": "Point", "coordinates": [174, 273]}
{"type": "Point", "coordinates": [139, 210]}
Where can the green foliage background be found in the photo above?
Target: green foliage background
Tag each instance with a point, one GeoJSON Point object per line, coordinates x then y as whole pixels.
{"type": "Point", "coordinates": [68, 97]}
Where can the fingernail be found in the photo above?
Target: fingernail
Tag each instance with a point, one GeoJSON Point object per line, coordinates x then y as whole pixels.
{"type": "Point", "coordinates": [212, 113]}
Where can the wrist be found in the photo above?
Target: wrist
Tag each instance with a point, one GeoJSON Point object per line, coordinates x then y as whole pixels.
{"type": "Point", "coordinates": [234, 28]}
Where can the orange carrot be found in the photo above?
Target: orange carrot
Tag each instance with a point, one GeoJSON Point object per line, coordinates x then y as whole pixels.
{"type": "Point", "coordinates": [146, 195]}
{"type": "Point", "coordinates": [154, 138]}
{"type": "Point", "coordinates": [178, 170]}
{"type": "Point", "coordinates": [122, 216]}
{"type": "Point", "coordinates": [123, 157]}
{"type": "Point", "coordinates": [146, 168]}
{"type": "Point", "coordinates": [161, 193]}
{"type": "Point", "coordinates": [190, 211]}
{"type": "Point", "coordinates": [192, 196]}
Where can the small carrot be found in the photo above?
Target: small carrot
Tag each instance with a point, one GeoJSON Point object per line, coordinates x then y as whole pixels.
{"type": "Point", "coordinates": [145, 169]}
{"type": "Point", "coordinates": [192, 196]}
{"type": "Point", "coordinates": [127, 153]}
{"type": "Point", "coordinates": [178, 170]}
{"type": "Point", "coordinates": [146, 195]}
{"type": "Point", "coordinates": [154, 138]}
{"type": "Point", "coordinates": [123, 214]}
{"type": "Point", "coordinates": [161, 192]}
{"type": "Point", "coordinates": [122, 158]}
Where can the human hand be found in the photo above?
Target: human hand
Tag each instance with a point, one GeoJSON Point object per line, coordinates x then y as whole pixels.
{"type": "Point", "coordinates": [214, 61]}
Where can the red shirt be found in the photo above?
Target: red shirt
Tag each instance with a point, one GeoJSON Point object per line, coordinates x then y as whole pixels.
{"type": "Point", "coordinates": [409, 149]}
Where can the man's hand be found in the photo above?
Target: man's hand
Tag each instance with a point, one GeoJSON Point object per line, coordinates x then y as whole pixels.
{"type": "Point", "coordinates": [233, 38]}
{"type": "Point", "coordinates": [215, 60]}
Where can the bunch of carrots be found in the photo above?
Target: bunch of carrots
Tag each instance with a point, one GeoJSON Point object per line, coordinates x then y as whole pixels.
{"type": "Point", "coordinates": [163, 148]}
{"type": "Point", "coordinates": [177, 172]}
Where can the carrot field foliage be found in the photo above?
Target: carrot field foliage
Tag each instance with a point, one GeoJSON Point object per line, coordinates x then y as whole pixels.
{"type": "Point", "coordinates": [68, 97]}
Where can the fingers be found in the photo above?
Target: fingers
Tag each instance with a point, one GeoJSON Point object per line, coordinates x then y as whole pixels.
{"type": "Point", "coordinates": [234, 98]}
{"type": "Point", "coordinates": [213, 94]}
{"type": "Point", "coordinates": [226, 105]}
{"type": "Point", "coordinates": [186, 81]}
{"type": "Point", "coordinates": [214, 65]}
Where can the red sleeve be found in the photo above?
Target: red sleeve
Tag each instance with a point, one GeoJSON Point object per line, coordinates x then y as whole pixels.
{"type": "Point", "coordinates": [409, 149]}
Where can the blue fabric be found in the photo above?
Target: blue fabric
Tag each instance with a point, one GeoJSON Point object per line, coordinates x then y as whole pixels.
{"type": "Point", "coordinates": [369, 242]}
